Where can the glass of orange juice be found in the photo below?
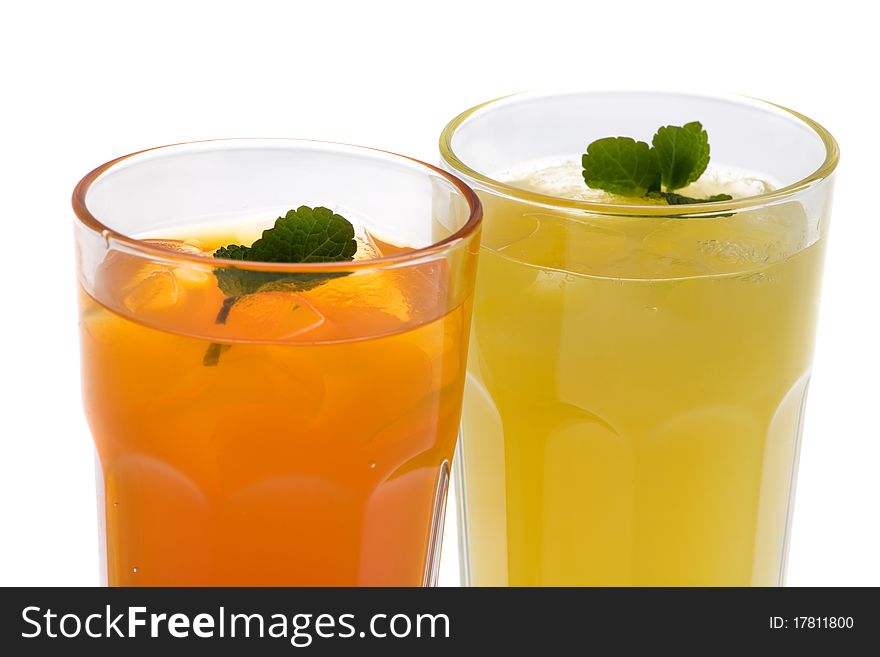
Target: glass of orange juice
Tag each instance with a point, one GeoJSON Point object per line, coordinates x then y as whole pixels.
{"type": "Point", "coordinates": [638, 370]}
{"type": "Point", "coordinates": [297, 432]}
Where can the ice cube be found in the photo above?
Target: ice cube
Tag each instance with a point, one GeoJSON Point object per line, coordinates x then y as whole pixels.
{"type": "Point", "coordinates": [193, 247]}
{"type": "Point", "coordinates": [568, 243]}
{"type": "Point", "coordinates": [140, 284]}
{"type": "Point", "coordinates": [562, 179]}
{"type": "Point", "coordinates": [272, 316]}
{"type": "Point", "coordinates": [723, 180]}
{"type": "Point", "coordinates": [366, 247]}
{"type": "Point", "coordinates": [155, 290]}
{"type": "Point", "coordinates": [381, 290]}
{"type": "Point", "coordinates": [186, 272]}
{"type": "Point", "coordinates": [781, 229]}
{"type": "Point", "coordinates": [646, 264]}
{"type": "Point", "coordinates": [730, 244]}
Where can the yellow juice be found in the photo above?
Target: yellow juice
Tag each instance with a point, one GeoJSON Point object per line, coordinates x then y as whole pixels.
{"type": "Point", "coordinates": [635, 391]}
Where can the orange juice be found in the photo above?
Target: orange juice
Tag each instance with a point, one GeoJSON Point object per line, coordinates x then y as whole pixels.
{"type": "Point", "coordinates": [305, 439]}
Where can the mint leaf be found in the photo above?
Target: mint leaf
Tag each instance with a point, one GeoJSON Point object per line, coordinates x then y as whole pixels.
{"type": "Point", "coordinates": [682, 154]}
{"type": "Point", "coordinates": [213, 353]}
{"type": "Point", "coordinates": [679, 156]}
{"type": "Point", "coordinates": [306, 235]}
{"type": "Point", "coordinates": [678, 199]}
{"type": "Point", "coordinates": [302, 235]}
{"type": "Point", "coordinates": [238, 282]}
{"type": "Point", "coordinates": [232, 252]}
{"type": "Point", "coordinates": [621, 165]}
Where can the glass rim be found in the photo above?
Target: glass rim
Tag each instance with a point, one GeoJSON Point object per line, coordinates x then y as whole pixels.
{"type": "Point", "coordinates": [713, 208]}
{"type": "Point", "coordinates": [87, 219]}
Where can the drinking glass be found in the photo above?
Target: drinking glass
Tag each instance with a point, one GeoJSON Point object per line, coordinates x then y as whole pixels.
{"type": "Point", "coordinates": [299, 433]}
{"type": "Point", "coordinates": [637, 373]}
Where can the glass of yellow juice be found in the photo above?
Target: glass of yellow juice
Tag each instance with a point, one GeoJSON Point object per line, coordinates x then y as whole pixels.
{"type": "Point", "coordinates": [273, 423]}
{"type": "Point", "coordinates": [638, 370]}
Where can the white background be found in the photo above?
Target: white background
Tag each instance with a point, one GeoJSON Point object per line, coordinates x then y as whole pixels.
{"type": "Point", "coordinates": [86, 81]}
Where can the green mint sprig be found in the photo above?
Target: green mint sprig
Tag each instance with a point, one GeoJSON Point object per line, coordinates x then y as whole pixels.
{"type": "Point", "coordinates": [677, 156]}
{"type": "Point", "coordinates": [304, 235]}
